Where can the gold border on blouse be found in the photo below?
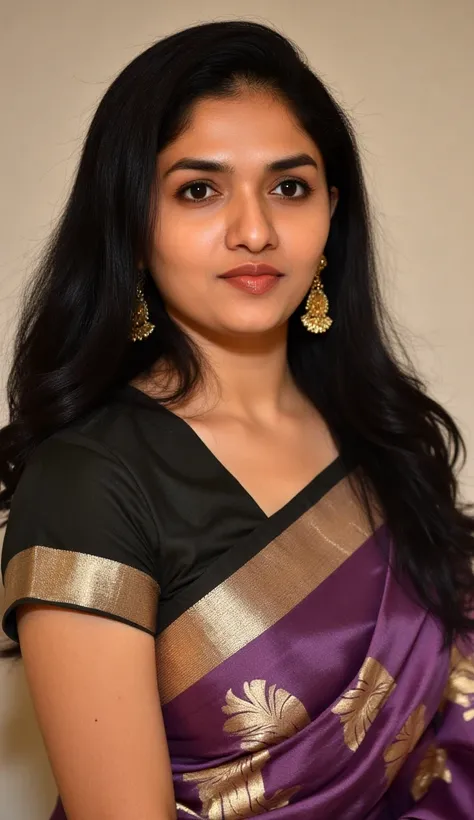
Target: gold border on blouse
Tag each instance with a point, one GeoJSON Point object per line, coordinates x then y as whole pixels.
{"type": "Point", "coordinates": [263, 590]}
{"type": "Point", "coordinates": [81, 580]}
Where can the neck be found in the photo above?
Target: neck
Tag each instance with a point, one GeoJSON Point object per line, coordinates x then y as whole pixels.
{"type": "Point", "coordinates": [246, 376]}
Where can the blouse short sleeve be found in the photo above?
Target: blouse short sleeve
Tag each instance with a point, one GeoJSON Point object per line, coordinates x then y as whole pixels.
{"type": "Point", "coordinates": [80, 534]}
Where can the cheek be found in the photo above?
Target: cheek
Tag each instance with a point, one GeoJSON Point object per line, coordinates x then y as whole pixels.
{"type": "Point", "coordinates": [185, 241]}
{"type": "Point", "coordinates": [180, 269]}
{"type": "Point", "coordinates": [304, 228]}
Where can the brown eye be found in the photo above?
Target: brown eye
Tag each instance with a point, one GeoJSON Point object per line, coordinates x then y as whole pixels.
{"type": "Point", "coordinates": [198, 187]}
{"type": "Point", "coordinates": [289, 188]}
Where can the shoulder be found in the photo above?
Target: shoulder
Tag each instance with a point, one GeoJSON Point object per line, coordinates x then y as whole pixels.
{"type": "Point", "coordinates": [114, 428]}
{"type": "Point", "coordinates": [129, 427]}
{"type": "Point", "coordinates": [119, 435]}
{"type": "Point", "coordinates": [81, 529]}
{"type": "Point", "coordinates": [80, 462]}
{"type": "Point", "coordinates": [80, 491]}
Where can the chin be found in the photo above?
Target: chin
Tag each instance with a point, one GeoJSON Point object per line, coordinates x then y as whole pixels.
{"type": "Point", "coordinates": [253, 327]}
{"type": "Point", "coordinates": [234, 324]}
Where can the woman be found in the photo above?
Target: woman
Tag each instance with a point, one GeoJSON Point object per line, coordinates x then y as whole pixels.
{"type": "Point", "coordinates": [235, 560]}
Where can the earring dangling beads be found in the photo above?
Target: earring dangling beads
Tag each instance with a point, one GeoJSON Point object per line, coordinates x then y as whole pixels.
{"type": "Point", "coordinates": [141, 326]}
{"type": "Point", "coordinates": [316, 319]}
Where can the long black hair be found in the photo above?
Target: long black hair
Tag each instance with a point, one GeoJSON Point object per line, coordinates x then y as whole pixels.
{"type": "Point", "coordinates": [72, 348]}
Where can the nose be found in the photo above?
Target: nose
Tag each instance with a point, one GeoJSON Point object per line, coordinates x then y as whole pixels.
{"type": "Point", "coordinates": [250, 224]}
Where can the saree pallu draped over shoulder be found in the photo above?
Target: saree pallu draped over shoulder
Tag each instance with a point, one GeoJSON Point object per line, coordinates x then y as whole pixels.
{"type": "Point", "coordinates": [298, 677]}
{"type": "Point", "coordinates": [303, 680]}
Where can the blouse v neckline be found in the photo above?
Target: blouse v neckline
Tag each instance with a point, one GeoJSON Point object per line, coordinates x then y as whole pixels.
{"type": "Point", "coordinates": [313, 489]}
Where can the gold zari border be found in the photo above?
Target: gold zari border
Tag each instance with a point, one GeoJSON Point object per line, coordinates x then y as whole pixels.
{"type": "Point", "coordinates": [263, 590]}
{"type": "Point", "coordinates": [87, 581]}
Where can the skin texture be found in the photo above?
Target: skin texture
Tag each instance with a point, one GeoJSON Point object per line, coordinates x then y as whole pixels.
{"type": "Point", "coordinates": [93, 680]}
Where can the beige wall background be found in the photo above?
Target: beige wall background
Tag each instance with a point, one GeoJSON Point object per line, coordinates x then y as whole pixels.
{"type": "Point", "coordinates": [404, 69]}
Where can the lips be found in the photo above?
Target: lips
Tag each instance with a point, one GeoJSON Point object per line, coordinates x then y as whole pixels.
{"type": "Point", "coordinates": [251, 269]}
{"type": "Point", "coordinates": [255, 285]}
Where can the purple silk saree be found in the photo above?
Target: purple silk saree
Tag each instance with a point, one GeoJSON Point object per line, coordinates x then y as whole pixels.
{"type": "Point", "coordinates": [301, 679]}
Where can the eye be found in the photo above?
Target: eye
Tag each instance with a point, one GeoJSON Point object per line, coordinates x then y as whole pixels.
{"type": "Point", "coordinates": [199, 185]}
{"type": "Point", "coordinates": [307, 188]}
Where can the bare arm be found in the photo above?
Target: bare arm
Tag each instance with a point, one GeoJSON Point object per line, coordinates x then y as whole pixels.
{"type": "Point", "coordinates": [94, 688]}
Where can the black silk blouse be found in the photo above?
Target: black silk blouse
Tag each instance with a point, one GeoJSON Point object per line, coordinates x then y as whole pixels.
{"type": "Point", "coordinates": [127, 507]}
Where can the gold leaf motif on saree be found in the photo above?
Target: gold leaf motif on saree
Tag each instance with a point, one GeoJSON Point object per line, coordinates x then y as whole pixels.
{"type": "Point", "coordinates": [432, 766]}
{"type": "Point", "coordinates": [359, 707]}
{"type": "Point", "coordinates": [460, 686]}
{"type": "Point", "coordinates": [237, 789]}
{"type": "Point", "coordinates": [404, 742]}
{"type": "Point", "coordinates": [263, 720]}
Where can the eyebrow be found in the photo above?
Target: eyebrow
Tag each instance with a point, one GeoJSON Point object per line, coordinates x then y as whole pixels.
{"type": "Point", "coordinates": [197, 164]}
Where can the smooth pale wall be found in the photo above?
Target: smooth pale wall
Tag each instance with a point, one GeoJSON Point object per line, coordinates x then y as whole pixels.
{"type": "Point", "coordinates": [404, 70]}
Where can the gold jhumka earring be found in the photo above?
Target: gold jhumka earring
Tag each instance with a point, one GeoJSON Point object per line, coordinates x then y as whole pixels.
{"type": "Point", "coordinates": [316, 319]}
{"type": "Point", "coordinates": [141, 327]}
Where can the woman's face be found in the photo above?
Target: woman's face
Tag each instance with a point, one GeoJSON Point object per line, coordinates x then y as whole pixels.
{"type": "Point", "coordinates": [209, 221]}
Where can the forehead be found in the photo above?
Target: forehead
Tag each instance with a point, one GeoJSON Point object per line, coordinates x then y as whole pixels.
{"type": "Point", "coordinates": [247, 130]}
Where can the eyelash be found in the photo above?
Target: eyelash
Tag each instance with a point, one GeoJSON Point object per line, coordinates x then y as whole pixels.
{"type": "Point", "coordinates": [308, 189]}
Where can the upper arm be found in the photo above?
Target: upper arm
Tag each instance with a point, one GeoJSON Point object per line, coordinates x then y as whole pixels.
{"type": "Point", "coordinates": [94, 689]}
{"type": "Point", "coordinates": [81, 591]}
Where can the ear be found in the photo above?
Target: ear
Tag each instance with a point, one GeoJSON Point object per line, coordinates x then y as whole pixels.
{"type": "Point", "coordinates": [334, 199]}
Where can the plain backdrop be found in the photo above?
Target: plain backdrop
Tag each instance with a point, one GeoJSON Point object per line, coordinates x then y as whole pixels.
{"type": "Point", "coordinates": [403, 69]}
